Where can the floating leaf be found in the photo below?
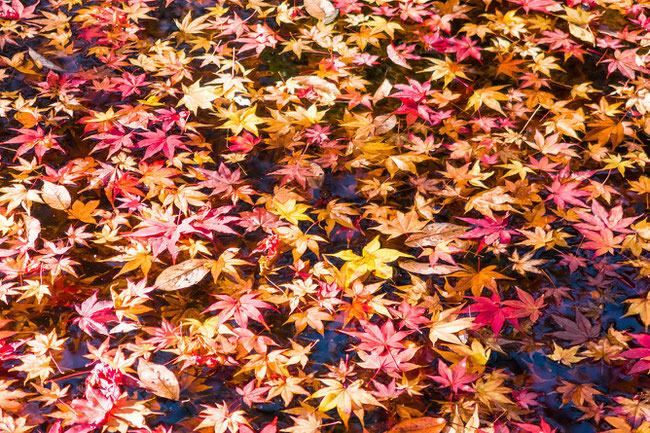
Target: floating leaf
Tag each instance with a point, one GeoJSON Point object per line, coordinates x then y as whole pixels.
{"type": "Point", "coordinates": [182, 275]}
{"type": "Point", "coordinates": [427, 269]}
{"type": "Point", "coordinates": [56, 196]}
{"type": "Point", "coordinates": [435, 233]}
{"type": "Point", "coordinates": [159, 380]}
{"type": "Point", "coordinates": [321, 9]}
{"type": "Point", "coordinates": [425, 424]}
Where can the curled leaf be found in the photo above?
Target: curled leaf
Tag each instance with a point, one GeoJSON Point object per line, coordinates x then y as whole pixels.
{"type": "Point", "coordinates": [182, 275]}
{"type": "Point", "coordinates": [322, 10]}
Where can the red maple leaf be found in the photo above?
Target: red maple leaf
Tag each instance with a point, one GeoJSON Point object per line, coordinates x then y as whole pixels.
{"type": "Point", "coordinates": [156, 141]}
{"type": "Point", "coordinates": [491, 311]}
{"type": "Point", "coordinates": [456, 378]}
{"type": "Point", "coordinates": [94, 314]}
{"type": "Point", "coordinates": [35, 139]}
{"type": "Point", "coordinates": [164, 235]}
{"type": "Point", "coordinates": [563, 193]}
{"type": "Point", "coordinates": [642, 354]}
{"type": "Point", "coordinates": [242, 309]}
{"type": "Point", "coordinates": [376, 339]}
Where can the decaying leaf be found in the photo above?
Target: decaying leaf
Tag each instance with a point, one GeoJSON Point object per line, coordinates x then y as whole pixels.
{"type": "Point", "coordinates": [56, 196]}
{"type": "Point", "coordinates": [321, 9]}
{"type": "Point", "coordinates": [435, 233]}
{"type": "Point", "coordinates": [182, 275]}
{"type": "Point", "coordinates": [425, 424]}
{"type": "Point", "coordinates": [159, 380]}
{"type": "Point", "coordinates": [426, 268]}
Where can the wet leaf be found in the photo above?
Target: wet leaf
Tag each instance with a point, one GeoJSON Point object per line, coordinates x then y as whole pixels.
{"type": "Point", "coordinates": [159, 380]}
{"type": "Point", "coordinates": [426, 424]}
{"type": "Point", "coordinates": [182, 275]}
{"type": "Point", "coordinates": [55, 196]}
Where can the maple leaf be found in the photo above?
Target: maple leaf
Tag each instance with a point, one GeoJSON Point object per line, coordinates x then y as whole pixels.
{"type": "Point", "coordinates": [625, 62]}
{"type": "Point", "coordinates": [373, 259]}
{"type": "Point", "coordinates": [642, 354]}
{"type": "Point", "coordinates": [578, 394]}
{"type": "Point", "coordinates": [539, 6]}
{"type": "Point", "coordinates": [241, 309]}
{"type": "Point", "coordinates": [394, 364]}
{"type": "Point", "coordinates": [400, 224]}
{"type": "Point", "coordinates": [488, 96]}
{"type": "Point", "coordinates": [307, 423]}
{"type": "Point", "coordinates": [16, 10]}
{"type": "Point", "coordinates": [215, 220]}
{"type": "Point", "coordinates": [600, 219]}
{"type": "Point", "coordinates": [291, 211]}
{"type": "Point", "coordinates": [491, 311]}
{"type": "Point", "coordinates": [456, 378]}
{"type": "Point", "coordinates": [376, 339]}
{"type": "Point", "coordinates": [526, 306]}
{"type": "Point", "coordinates": [222, 419]}
{"type": "Point", "coordinates": [576, 332]}
{"type": "Point", "coordinates": [347, 399]}
{"type": "Point", "coordinates": [476, 280]}
{"type": "Point", "coordinates": [251, 393]}
{"type": "Point", "coordinates": [160, 140]}
{"type": "Point", "coordinates": [563, 193]}
{"type": "Point", "coordinates": [239, 120]}
{"type": "Point", "coordinates": [116, 139]}
{"type": "Point", "coordinates": [543, 427]}
{"type": "Point", "coordinates": [526, 263]}
{"type": "Point", "coordinates": [489, 230]}
{"type": "Point", "coordinates": [445, 326]}
{"type": "Point", "coordinates": [641, 307]}
{"type": "Point", "coordinates": [565, 356]}
{"type": "Point", "coordinates": [602, 242]}
{"type": "Point", "coordinates": [495, 199]}
{"type": "Point", "coordinates": [35, 139]}
{"type": "Point", "coordinates": [298, 172]}
{"type": "Point", "coordinates": [410, 317]}
{"type": "Point", "coordinates": [94, 314]}
{"type": "Point", "coordinates": [165, 234]}
{"type": "Point", "coordinates": [196, 96]}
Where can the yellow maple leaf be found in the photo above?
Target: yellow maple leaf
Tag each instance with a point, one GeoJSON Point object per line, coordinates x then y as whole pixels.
{"type": "Point", "coordinates": [373, 259]}
{"type": "Point", "coordinates": [488, 96]}
{"type": "Point", "coordinates": [566, 356]}
{"type": "Point", "coordinates": [239, 120]}
{"type": "Point", "coordinates": [195, 96]}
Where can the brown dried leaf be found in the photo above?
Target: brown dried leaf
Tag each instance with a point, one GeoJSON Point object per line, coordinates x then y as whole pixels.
{"type": "Point", "coordinates": [383, 91]}
{"type": "Point", "coordinates": [426, 424]}
{"type": "Point", "coordinates": [427, 269]}
{"type": "Point", "coordinates": [384, 123]}
{"type": "Point", "coordinates": [55, 196]}
{"type": "Point", "coordinates": [496, 199]}
{"type": "Point", "coordinates": [182, 275]}
{"type": "Point", "coordinates": [327, 91]}
{"type": "Point", "coordinates": [159, 380]}
{"type": "Point", "coordinates": [321, 9]}
{"type": "Point", "coordinates": [435, 233]}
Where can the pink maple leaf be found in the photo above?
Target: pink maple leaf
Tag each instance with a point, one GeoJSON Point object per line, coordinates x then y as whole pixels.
{"type": "Point", "coordinates": [94, 314]}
